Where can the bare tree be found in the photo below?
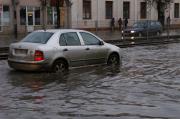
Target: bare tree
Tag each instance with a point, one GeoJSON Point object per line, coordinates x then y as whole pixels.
{"type": "Point", "coordinates": [58, 4]}
{"type": "Point", "coordinates": [161, 5]}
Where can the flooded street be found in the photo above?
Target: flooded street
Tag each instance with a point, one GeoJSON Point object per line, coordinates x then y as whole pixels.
{"type": "Point", "coordinates": [147, 86]}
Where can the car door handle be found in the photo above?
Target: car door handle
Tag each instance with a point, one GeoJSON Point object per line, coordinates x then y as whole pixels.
{"type": "Point", "coordinates": [87, 48]}
{"type": "Point", "coordinates": [65, 49]}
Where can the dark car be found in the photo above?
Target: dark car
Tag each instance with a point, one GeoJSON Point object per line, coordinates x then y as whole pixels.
{"type": "Point", "coordinates": [143, 28]}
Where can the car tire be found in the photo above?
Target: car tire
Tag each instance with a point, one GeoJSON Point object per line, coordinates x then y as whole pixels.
{"type": "Point", "coordinates": [113, 60]}
{"type": "Point", "coordinates": [59, 66]}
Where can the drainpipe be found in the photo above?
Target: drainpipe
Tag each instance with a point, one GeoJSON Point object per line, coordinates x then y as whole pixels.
{"type": "Point", "coordinates": [69, 4]}
{"type": "Point", "coordinates": [44, 2]}
{"type": "Point", "coordinates": [58, 13]}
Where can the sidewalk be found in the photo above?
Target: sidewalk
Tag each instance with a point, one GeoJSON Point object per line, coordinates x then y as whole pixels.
{"type": "Point", "coordinates": [116, 35]}
{"type": "Point", "coordinates": [5, 40]}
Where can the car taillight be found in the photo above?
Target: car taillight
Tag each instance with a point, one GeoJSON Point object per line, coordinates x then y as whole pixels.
{"type": "Point", "coordinates": [38, 55]}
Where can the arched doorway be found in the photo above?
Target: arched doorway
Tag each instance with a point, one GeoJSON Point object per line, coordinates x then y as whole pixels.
{"type": "Point", "coordinates": [63, 8]}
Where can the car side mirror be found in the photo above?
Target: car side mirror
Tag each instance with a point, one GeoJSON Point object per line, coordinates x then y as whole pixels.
{"type": "Point", "coordinates": [101, 43]}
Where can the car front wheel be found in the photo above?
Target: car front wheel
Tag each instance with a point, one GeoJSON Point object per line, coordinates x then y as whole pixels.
{"type": "Point", "coordinates": [113, 60]}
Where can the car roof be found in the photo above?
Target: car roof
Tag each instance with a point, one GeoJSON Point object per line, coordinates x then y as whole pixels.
{"type": "Point", "coordinates": [60, 30]}
{"type": "Point", "coordinates": [142, 21]}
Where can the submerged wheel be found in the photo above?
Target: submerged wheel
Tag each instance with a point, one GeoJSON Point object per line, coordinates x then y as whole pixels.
{"type": "Point", "coordinates": [113, 60]}
{"type": "Point", "coordinates": [59, 66]}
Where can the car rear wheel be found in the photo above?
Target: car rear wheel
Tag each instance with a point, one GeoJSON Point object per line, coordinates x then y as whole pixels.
{"type": "Point", "coordinates": [113, 60]}
{"type": "Point", "coordinates": [59, 66]}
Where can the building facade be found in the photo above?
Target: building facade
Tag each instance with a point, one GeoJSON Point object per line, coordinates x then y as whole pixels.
{"type": "Point", "coordinates": [23, 16]}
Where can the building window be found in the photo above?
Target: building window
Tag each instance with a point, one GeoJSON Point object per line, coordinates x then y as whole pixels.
{"type": "Point", "coordinates": [109, 9]}
{"type": "Point", "coordinates": [30, 15]}
{"type": "Point", "coordinates": [126, 10]}
{"type": "Point", "coordinates": [6, 15]}
{"type": "Point", "coordinates": [143, 10]}
{"type": "Point", "coordinates": [51, 16]}
{"type": "Point", "coordinates": [86, 9]}
{"type": "Point", "coordinates": [176, 10]}
{"type": "Point", "coordinates": [23, 15]}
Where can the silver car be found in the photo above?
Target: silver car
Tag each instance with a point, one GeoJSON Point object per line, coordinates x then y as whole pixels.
{"type": "Point", "coordinates": [58, 50]}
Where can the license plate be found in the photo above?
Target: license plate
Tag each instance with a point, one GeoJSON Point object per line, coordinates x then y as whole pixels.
{"type": "Point", "coordinates": [21, 51]}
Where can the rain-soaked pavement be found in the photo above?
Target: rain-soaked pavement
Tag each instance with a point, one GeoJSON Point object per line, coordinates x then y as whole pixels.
{"type": "Point", "coordinates": [147, 86]}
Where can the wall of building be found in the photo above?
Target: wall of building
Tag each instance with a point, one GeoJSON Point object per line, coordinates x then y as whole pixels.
{"type": "Point", "coordinates": [98, 13]}
{"type": "Point", "coordinates": [75, 15]}
{"type": "Point", "coordinates": [174, 21]}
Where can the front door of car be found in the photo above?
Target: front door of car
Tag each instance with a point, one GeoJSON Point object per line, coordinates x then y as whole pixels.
{"type": "Point", "coordinates": [96, 51]}
{"type": "Point", "coordinates": [71, 48]}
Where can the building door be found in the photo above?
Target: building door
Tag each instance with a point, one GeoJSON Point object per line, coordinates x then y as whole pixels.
{"type": "Point", "coordinates": [30, 18]}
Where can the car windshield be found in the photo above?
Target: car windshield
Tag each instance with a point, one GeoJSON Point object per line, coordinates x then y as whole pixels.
{"type": "Point", "coordinates": [139, 25]}
{"type": "Point", "coordinates": [38, 37]}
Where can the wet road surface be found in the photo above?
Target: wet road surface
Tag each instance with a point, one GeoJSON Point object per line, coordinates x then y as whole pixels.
{"type": "Point", "coordinates": [147, 86]}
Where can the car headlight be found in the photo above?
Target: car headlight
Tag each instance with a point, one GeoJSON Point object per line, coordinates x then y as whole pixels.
{"type": "Point", "coordinates": [132, 31]}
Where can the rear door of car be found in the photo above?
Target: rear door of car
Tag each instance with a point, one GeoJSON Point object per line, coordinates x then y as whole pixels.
{"type": "Point", "coordinates": [96, 51]}
{"type": "Point", "coordinates": [71, 48]}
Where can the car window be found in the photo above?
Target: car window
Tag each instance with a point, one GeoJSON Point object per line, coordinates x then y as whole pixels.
{"type": "Point", "coordinates": [158, 24]}
{"type": "Point", "coordinates": [69, 39]}
{"type": "Point", "coordinates": [62, 40]}
{"type": "Point", "coordinates": [140, 24]}
{"type": "Point", "coordinates": [38, 37]}
{"type": "Point", "coordinates": [89, 39]}
{"type": "Point", "coordinates": [153, 24]}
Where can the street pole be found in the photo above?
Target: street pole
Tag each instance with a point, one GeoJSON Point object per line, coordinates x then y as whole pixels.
{"type": "Point", "coordinates": [14, 18]}
{"type": "Point", "coordinates": [149, 16]}
{"type": "Point", "coordinates": [58, 13]}
{"type": "Point", "coordinates": [43, 7]}
{"type": "Point", "coordinates": [168, 22]}
{"type": "Point", "coordinates": [77, 10]}
{"type": "Point", "coordinates": [96, 23]}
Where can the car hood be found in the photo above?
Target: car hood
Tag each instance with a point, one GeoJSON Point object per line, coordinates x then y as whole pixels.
{"type": "Point", "coordinates": [134, 29]}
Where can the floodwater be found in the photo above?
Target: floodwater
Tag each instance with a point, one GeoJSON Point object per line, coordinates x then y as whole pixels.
{"type": "Point", "coordinates": [147, 86]}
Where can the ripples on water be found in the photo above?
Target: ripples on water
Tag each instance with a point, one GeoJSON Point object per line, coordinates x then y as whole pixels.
{"type": "Point", "coordinates": [146, 86]}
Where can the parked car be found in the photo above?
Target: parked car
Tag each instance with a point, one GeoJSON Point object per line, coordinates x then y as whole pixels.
{"type": "Point", "coordinates": [143, 28]}
{"type": "Point", "coordinates": [57, 50]}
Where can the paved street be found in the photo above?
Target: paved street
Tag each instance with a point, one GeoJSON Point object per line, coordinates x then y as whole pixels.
{"type": "Point", "coordinates": [147, 86]}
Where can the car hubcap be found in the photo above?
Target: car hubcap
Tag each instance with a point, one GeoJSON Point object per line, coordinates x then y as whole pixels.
{"type": "Point", "coordinates": [113, 60]}
{"type": "Point", "coordinates": [60, 67]}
